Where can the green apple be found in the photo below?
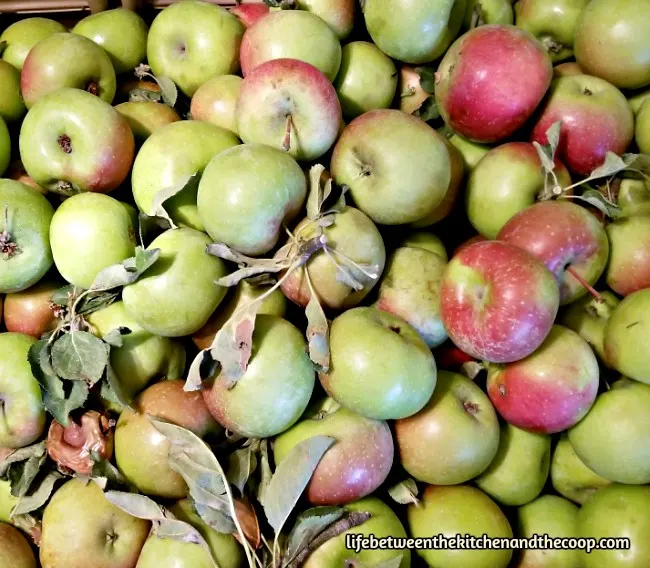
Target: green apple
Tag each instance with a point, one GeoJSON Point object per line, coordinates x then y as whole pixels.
{"type": "Point", "coordinates": [619, 511]}
{"type": "Point", "coordinates": [366, 80]}
{"type": "Point", "coordinates": [215, 101]}
{"type": "Point", "coordinates": [26, 256]}
{"type": "Point", "coordinates": [380, 367]}
{"type": "Point", "coordinates": [7, 501]}
{"type": "Point", "coordinates": [571, 478]}
{"type": "Point", "coordinates": [642, 128]}
{"type": "Point", "coordinates": [191, 42]}
{"type": "Point", "coordinates": [12, 107]}
{"type": "Point", "coordinates": [81, 528]}
{"type": "Point", "coordinates": [14, 549]}
{"type": "Point", "coordinates": [471, 152]}
{"type": "Point", "coordinates": [383, 523]}
{"type": "Point", "coordinates": [553, 516]}
{"type": "Point", "coordinates": [519, 471]}
{"type": "Point", "coordinates": [338, 14]}
{"type": "Point", "coordinates": [633, 197]}
{"type": "Point", "coordinates": [454, 438]}
{"type": "Point", "coordinates": [637, 99]}
{"type": "Point", "coordinates": [275, 388]}
{"type": "Point", "coordinates": [22, 35]}
{"type": "Point", "coordinates": [629, 258]}
{"type": "Point", "coordinates": [172, 553]}
{"type": "Point", "coordinates": [621, 453]}
{"type": "Point", "coordinates": [481, 12]}
{"type": "Point", "coordinates": [178, 293]}
{"type": "Point", "coordinates": [567, 69]}
{"type": "Point", "coordinates": [145, 117]}
{"type": "Point", "coordinates": [427, 241]}
{"type": "Point", "coordinates": [122, 34]}
{"type": "Point", "coordinates": [5, 147]}
{"type": "Point", "coordinates": [159, 165]}
{"type": "Point", "coordinates": [247, 194]}
{"type": "Point", "coordinates": [459, 510]}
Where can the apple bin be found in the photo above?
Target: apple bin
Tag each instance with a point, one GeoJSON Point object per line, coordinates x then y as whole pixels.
{"type": "Point", "coordinates": [324, 283]}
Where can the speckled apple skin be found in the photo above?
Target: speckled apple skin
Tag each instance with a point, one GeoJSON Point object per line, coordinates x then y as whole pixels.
{"type": "Point", "coordinates": [629, 261]}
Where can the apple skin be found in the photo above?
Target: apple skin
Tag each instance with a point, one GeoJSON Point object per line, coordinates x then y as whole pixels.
{"type": "Point", "coordinates": [459, 509]}
{"type": "Point", "coordinates": [17, 172]}
{"type": "Point", "coordinates": [410, 91]}
{"type": "Point", "coordinates": [612, 41]}
{"type": "Point", "coordinates": [14, 548]}
{"type": "Point", "coordinates": [621, 454]}
{"type": "Point", "coordinates": [30, 311]}
{"type": "Point", "coordinates": [78, 522]}
{"type": "Point", "coordinates": [178, 293]}
{"type": "Point", "coordinates": [215, 101]}
{"type": "Point", "coordinates": [22, 35]}
{"type": "Point", "coordinates": [366, 80]}
{"type": "Point", "coordinates": [504, 182]}
{"type": "Point", "coordinates": [642, 129]}
{"type": "Point", "coordinates": [247, 194]}
{"type": "Point", "coordinates": [576, 239]}
{"type": "Point", "coordinates": [248, 14]}
{"type": "Point", "coordinates": [518, 473]}
{"type": "Point", "coordinates": [471, 152]}
{"type": "Point", "coordinates": [637, 99]}
{"type": "Point", "coordinates": [145, 117]}
{"type": "Point", "coordinates": [629, 263]}
{"type": "Point", "coordinates": [550, 390]}
{"type": "Point", "coordinates": [338, 14]}
{"type": "Point", "coordinates": [625, 337]}
{"type": "Point", "coordinates": [453, 438]}
{"type": "Point", "coordinates": [426, 241]}
{"type": "Point", "coordinates": [5, 147]}
{"type": "Point", "coordinates": [404, 189]}
{"type": "Point", "coordinates": [571, 478]}
{"type": "Point", "coordinates": [171, 553]}
{"type": "Point", "coordinates": [596, 119]}
{"type": "Point", "coordinates": [617, 511]}
{"type": "Point", "coordinates": [477, 71]}
{"type": "Point", "coordinates": [556, 517]}
{"type": "Point", "coordinates": [383, 523]}
{"type": "Point", "coordinates": [284, 96]}
{"type": "Point", "coordinates": [82, 119]}
{"type": "Point", "coordinates": [567, 69]}
{"type": "Point", "coordinates": [355, 466]}
{"type": "Point", "coordinates": [159, 165]}
{"type": "Point", "coordinates": [380, 367]}
{"type": "Point", "coordinates": [553, 23]}
{"type": "Point", "coordinates": [291, 34]}
{"type": "Point", "coordinates": [492, 12]}
{"type": "Point", "coordinates": [12, 107]}
{"type": "Point", "coordinates": [191, 42]}
{"type": "Point", "coordinates": [633, 197]}
{"type": "Point", "coordinates": [498, 302]}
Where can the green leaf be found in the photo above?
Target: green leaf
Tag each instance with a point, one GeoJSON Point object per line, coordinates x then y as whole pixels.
{"type": "Point", "coordinates": [317, 330]}
{"type": "Point", "coordinates": [428, 110]}
{"type": "Point", "coordinates": [112, 389]}
{"type": "Point", "coordinates": [265, 470]}
{"type": "Point", "coordinates": [427, 79]}
{"type": "Point", "coordinates": [104, 469]}
{"type": "Point", "coordinates": [404, 492]}
{"type": "Point", "coordinates": [22, 466]}
{"type": "Point", "coordinates": [114, 336]}
{"type": "Point", "coordinates": [79, 356]}
{"type": "Point", "coordinates": [64, 295]}
{"type": "Point", "coordinates": [39, 496]}
{"type": "Point", "coordinates": [553, 138]}
{"type": "Point", "coordinates": [545, 157]}
{"type": "Point", "coordinates": [612, 165]}
{"type": "Point", "coordinates": [157, 205]}
{"type": "Point", "coordinates": [127, 271]}
{"type": "Point", "coordinates": [241, 465]}
{"type": "Point", "coordinates": [597, 199]}
{"type": "Point", "coordinates": [291, 478]}
{"type": "Point", "coordinates": [96, 301]}
{"type": "Point", "coordinates": [308, 525]}
{"type": "Point", "coordinates": [168, 90]}
{"type": "Point", "coordinates": [138, 506]}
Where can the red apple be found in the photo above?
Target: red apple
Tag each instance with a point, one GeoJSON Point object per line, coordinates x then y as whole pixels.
{"type": "Point", "coordinates": [30, 311]}
{"type": "Point", "coordinates": [485, 92]}
{"type": "Point", "coordinates": [248, 14]}
{"type": "Point", "coordinates": [629, 262]}
{"type": "Point", "coordinates": [498, 302]}
{"type": "Point", "coordinates": [596, 119]}
{"type": "Point", "coordinates": [550, 390]}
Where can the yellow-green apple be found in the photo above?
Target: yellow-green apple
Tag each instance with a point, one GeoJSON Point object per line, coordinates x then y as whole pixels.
{"type": "Point", "coordinates": [427, 241]}
{"type": "Point", "coordinates": [568, 68]}
{"type": "Point", "coordinates": [159, 165]}
{"type": "Point", "coordinates": [622, 453]}
{"type": "Point", "coordinates": [275, 388]}
{"type": "Point", "coordinates": [596, 119]}
{"type": "Point", "coordinates": [178, 293]}
{"type": "Point", "coordinates": [507, 180]}
{"type": "Point", "coordinates": [338, 14]}
{"type": "Point", "coordinates": [477, 70]}
{"type": "Point", "coordinates": [471, 152]}
{"type": "Point", "coordinates": [59, 143]}
{"type": "Point", "coordinates": [354, 235]}
{"type": "Point", "coordinates": [612, 41]}
{"type": "Point", "coordinates": [464, 510]}
{"type": "Point", "coordinates": [366, 80]}
{"type": "Point", "coordinates": [47, 68]}
{"type": "Point", "coordinates": [31, 311]}
{"type": "Point", "coordinates": [357, 463]}
{"type": "Point", "coordinates": [5, 147]}
{"type": "Point", "coordinates": [553, 23]}
{"type": "Point", "coordinates": [637, 99]}
{"type": "Point", "coordinates": [626, 334]}
{"type": "Point", "coordinates": [633, 197]}
{"type": "Point", "coordinates": [247, 194]}
{"type": "Point", "coordinates": [410, 289]}
{"type": "Point", "coordinates": [168, 552]}
{"type": "Point", "coordinates": [550, 390]}
{"type": "Point", "coordinates": [642, 129]}
{"type": "Point", "coordinates": [82, 527]}
{"type": "Point", "coordinates": [12, 107]}
{"type": "Point", "coordinates": [498, 302]}
{"type": "Point", "coordinates": [619, 511]}
{"type": "Point", "coordinates": [122, 34]}
{"type": "Point", "coordinates": [291, 34]}
{"type": "Point", "coordinates": [520, 468]}
{"type": "Point", "coordinates": [7, 500]}
{"type": "Point", "coordinates": [25, 238]}
{"type": "Point", "coordinates": [405, 188]}
{"type": "Point", "coordinates": [248, 14]}
{"type": "Point", "coordinates": [14, 548]}
{"type": "Point", "coordinates": [410, 92]}
{"type": "Point", "coordinates": [191, 42]}
{"type": "Point", "coordinates": [481, 12]}
{"type": "Point", "coordinates": [290, 105]}
{"type": "Point", "coordinates": [24, 34]}
{"type": "Point", "coordinates": [141, 451]}
{"type": "Point", "coordinates": [553, 516]}
{"type": "Point", "coordinates": [145, 117]}
{"type": "Point", "coordinates": [570, 476]}
{"type": "Point", "coordinates": [216, 99]}
{"type": "Point", "coordinates": [453, 438]}
{"type": "Point", "coordinates": [629, 262]}
{"type": "Point", "coordinates": [382, 523]}
{"type": "Point", "coordinates": [575, 248]}
{"type": "Point", "coordinates": [380, 367]}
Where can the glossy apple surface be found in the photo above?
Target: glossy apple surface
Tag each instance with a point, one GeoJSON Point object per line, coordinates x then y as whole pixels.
{"type": "Point", "coordinates": [215, 101]}
{"type": "Point", "coordinates": [31, 311]}
{"type": "Point", "coordinates": [145, 117]}
{"type": "Point", "coordinates": [12, 107]}
{"type": "Point", "coordinates": [24, 34]}
{"type": "Point", "coordinates": [629, 264]}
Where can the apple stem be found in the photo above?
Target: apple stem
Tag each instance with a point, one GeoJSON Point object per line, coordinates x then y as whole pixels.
{"type": "Point", "coordinates": [586, 284]}
{"type": "Point", "coordinates": [8, 247]}
{"type": "Point", "coordinates": [286, 144]}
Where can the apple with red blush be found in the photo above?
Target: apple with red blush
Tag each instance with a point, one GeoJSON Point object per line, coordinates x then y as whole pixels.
{"type": "Point", "coordinates": [248, 14]}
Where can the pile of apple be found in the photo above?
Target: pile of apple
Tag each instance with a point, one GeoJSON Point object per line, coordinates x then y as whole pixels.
{"type": "Point", "coordinates": [277, 274]}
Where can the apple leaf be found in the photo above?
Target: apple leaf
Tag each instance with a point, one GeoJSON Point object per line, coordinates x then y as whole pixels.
{"type": "Point", "coordinates": [639, 163]}
{"type": "Point", "coordinates": [241, 465]}
{"type": "Point", "coordinates": [266, 474]}
{"type": "Point", "coordinates": [114, 336]}
{"type": "Point", "coordinates": [612, 165]}
{"type": "Point", "coordinates": [394, 562]}
{"type": "Point", "coordinates": [427, 79]}
{"type": "Point", "coordinates": [111, 389]}
{"type": "Point", "coordinates": [168, 90]}
{"type": "Point", "coordinates": [350, 273]}
{"type": "Point", "coordinates": [291, 478]}
{"type": "Point", "coordinates": [215, 518]}
{"type": "Point", "coordinates": [307, 526]}
{"type": "Point", "coordinates": [598, 200]}
{"type": "Point", "coordinates": [318, 192]}
{"type": "Point", "coordinates": [38, 497]}
{"type": "Point", "coordinates": [105, 470]}
{"type": "Point", "coordinates": [79, 356]}
{"type": "Point", "coordinates": [143, 95]}
{"type": "Point", "coordinates": [22, 466]}
{"type": "Point", "coordinates": [404, 492]}
{"type": "Point", "coordinates": [95, 301]}
{"type": "Point", "coordinates": [157, 205]}
{"type": "Point", "coordinates": [63, 296]}
{"type": "Point", "coordinates": [317, 330]}
{"type": "Point", "coordinates": [126, 272]}
{"type": "Point", "coordinates": [545, 156]}
{"type": "Point", "coordinates": [428, 110]}
{"type": "Point", "coordinates": [248, 266]}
